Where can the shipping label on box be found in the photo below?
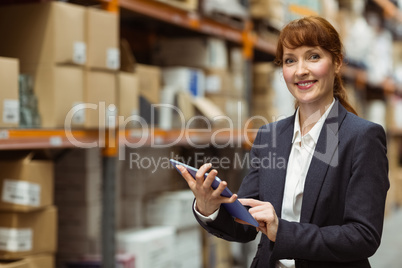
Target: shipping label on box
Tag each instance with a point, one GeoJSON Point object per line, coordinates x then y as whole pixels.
{"type": "Point", "coordinates": [11, 111]}
{"type": "Point", "coordinates": [24, 234]}
{"type": "Point", "coordinates": [21, 192]}
{"type": "Point", "coordinates": [25, 183]}
{"type": "Point", "coordinates": [15, 240]}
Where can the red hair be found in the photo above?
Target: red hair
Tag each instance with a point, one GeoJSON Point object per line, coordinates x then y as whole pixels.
{"type": "Point", "coordinates": [315, 31]}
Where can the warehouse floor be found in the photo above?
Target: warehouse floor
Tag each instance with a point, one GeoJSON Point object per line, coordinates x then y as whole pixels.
{"type": "Point", "coordinates": [389, 253]}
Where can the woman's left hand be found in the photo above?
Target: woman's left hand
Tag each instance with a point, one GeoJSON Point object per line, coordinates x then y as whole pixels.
{"type": "Point", "coordinates": [265, 214]}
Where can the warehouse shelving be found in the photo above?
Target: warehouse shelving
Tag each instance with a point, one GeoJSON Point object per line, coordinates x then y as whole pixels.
{"type": "Point", "coordinates": [14, 139]}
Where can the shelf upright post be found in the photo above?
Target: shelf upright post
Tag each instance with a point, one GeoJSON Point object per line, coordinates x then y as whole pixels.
{"type": "Point", "coordinates": [111, 5]}
{"type": "Point", "coordinates": [109, 161]}
{"type": "Point", "coordinates": [109, 176]}
{"type": "Point", "coordinates": [248, 41]}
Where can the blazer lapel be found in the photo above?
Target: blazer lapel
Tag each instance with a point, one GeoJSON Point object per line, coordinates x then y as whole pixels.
{"type": "Point", "coordinates": [325, 155]}
{"type": "Point", "coordinates": [275, 183]}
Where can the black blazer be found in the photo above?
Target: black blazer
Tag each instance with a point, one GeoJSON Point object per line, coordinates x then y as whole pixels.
{"type": "Point", "coordinates": [344, 195]}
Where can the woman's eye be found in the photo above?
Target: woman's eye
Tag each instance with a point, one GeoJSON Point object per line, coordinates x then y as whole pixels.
{"type": "Point", "coordinates": [289, 61]}
{"type": "Point", "coordinates": [315, 57]}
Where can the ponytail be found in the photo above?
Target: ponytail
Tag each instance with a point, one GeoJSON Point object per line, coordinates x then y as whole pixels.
{"type": "Point", "coordinates": [341, 94]}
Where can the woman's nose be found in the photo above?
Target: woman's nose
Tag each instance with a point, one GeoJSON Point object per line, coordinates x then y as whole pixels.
{"type": "Point", "coordinates": [302, 69]}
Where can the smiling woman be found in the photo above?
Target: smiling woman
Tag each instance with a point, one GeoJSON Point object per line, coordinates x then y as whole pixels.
{"type": "Point", "coordinates": [314, 33]}
{"type": "Point", "coordinates": [325, 208]}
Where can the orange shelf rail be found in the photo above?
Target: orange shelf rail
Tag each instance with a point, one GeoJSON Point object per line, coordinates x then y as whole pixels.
{"type": "Point", "coordinates": [44, 138]}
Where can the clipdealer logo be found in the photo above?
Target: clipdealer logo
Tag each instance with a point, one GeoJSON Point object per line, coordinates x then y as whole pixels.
{"type": "Point", "coordinates": [144, 133]}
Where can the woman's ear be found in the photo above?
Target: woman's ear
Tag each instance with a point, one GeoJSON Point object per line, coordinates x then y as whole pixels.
{"type": "Point", "coordinates": [338, 65]}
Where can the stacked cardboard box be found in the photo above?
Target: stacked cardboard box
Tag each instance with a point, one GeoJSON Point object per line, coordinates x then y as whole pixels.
{"type": "Point", "coordinates": [72, 54]}
{"type": "Point", "coordinates": [149, 83]}
{"type": "Point", "coordinates": [9, 97]}
{"type": "Point", "coordinates": [128, 100]}
{"type": "Point", "coordinates": [78, 197]}
{"type": "Point", "coordinates": [263, 102]}
{"type": "Point", "coordinates": [34, 261]}
{"type": "Point", "coordinates": [49, 41]}
{"type": "Point", "coordinates": [27, 215]}
{"type": "Point", "coordinates": [221, 90]}
{"type": "Point", "coordinates": [192, 52]}
{"type": "Point", "coordinates": [274, 11]}
{"type": "Point", "coordinates": [101, 36]}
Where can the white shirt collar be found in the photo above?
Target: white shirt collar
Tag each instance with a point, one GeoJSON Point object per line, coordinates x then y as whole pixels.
{"type": "Point", "coordinates": [314, 133]}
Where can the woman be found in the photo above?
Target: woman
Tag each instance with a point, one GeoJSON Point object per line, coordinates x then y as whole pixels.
{"type": "Point", "coordinates": [325, 207]}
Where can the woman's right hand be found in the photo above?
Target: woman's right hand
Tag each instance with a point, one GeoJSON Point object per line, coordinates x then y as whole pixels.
{"type": "Point", "coordinates": [208, 199]}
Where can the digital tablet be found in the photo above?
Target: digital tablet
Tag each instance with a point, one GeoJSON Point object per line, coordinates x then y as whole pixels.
{"type": "Point", "coordinates": [236, 209]}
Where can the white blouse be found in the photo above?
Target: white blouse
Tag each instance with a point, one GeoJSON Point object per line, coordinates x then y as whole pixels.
{"type": "Point", "coordinates": [302, 152]}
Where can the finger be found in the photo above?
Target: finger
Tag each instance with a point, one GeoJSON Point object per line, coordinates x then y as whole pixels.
{"type": "Point", "coordinates": [218, 191]}
{"type": "Point", "coordinates": [210, 178]}
{"type": "Point", "coordinates": [250, 202]}
{"type": "Point", "coordinates": [261, 208]}
{"type": "Point", "coordinates": [199, 176]}
{"type": "Point", "coordinates": [187, 176]}
{"type": "Point", "coordinates": [229, 200]}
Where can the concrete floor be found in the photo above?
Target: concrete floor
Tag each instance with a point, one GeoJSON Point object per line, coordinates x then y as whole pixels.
{"type": "Point", "coordinates": [389, 254]}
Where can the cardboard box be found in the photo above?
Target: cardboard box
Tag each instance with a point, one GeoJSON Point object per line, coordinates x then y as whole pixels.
{"type": "Point", "coordinates": [9, 100]}
{"type": "Point", "coordinates": [25, 234]}
{"type": "Point", "coordinates": [149, 79]}
{"type": "Point", "coordinates": [102, 37]}
{"type": "Point", "coordinates": [26, 183]}
{"type": "Point", "coordinates": [41, 260]}
{"type": "Point", "coordinates": [221, 82]}
{"type": "Point", "coordinates": [184, 79]}
{"type": "Point", "coordinates": [151, 247]}
{"type": "Point", "coordinates": [128, 97]}
{"type": "Point", "coordinates": [100, 91]}
{"type": "Point", "coordinates": [235, 109]}
{"type": "Point", "coordinates": [59, 89]}
{"type": "Point", "coordinates": [192, 52]}
{"type": "Point", "coordinates": [272, 10]}
{"type": "Point", "coordinates": [48, 33]}
{"type": "Point", "coordinates": [263, 75]}
{"type": "Point", "coordinates": [34, 261]}
{"type": "Point", "coordinates": [14, 264]}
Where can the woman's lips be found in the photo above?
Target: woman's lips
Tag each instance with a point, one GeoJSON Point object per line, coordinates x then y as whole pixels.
{"type": "Point", "coordinates": [303, 85]}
